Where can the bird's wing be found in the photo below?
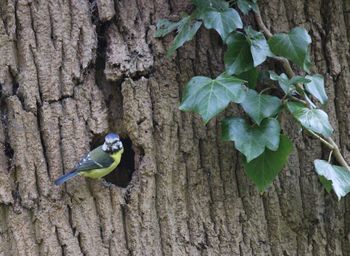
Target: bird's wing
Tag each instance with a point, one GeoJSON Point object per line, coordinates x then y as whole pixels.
{"type": "Point", "coordinates": [96, 159]}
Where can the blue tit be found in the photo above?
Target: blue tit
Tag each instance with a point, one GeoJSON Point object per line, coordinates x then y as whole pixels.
{"type": "Point", "coordinates": [99, 162]}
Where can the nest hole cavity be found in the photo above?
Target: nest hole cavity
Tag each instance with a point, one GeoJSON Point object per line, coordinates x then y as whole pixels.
{"type": "Point", "coordinates": [122, 175]}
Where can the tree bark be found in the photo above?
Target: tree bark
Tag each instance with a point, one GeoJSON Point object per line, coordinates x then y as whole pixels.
{"type": "Point", "coordinates": [73, 70]}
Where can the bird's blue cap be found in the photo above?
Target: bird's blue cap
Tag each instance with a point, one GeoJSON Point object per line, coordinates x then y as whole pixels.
{"type": "Point", "coordinates": [111, 137]}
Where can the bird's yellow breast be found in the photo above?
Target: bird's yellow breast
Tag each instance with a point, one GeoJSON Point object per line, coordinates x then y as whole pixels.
{"type": "Point", "coordinates": [99, 173]}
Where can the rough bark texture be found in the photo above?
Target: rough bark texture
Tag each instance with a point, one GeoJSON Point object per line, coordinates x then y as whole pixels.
{"type": "Point", "coordinates": [72, 70]}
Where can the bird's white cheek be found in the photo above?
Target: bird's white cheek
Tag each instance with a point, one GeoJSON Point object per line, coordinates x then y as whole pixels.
{"type": "Point", "coordinates": [119, 145]}
{"type": "Point", "coordinates": [104, 147]}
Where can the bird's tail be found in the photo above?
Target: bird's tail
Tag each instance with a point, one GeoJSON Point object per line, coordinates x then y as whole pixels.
{"type": "Point", "coordinates": [66, 177]}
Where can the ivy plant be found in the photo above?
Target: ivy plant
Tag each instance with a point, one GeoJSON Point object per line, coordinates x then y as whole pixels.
{"type": "Point", "coordinates": [258, 135]}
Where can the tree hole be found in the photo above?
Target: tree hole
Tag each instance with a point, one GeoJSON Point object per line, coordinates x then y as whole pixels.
{"type": "Point", "coordinates": [122, 175]}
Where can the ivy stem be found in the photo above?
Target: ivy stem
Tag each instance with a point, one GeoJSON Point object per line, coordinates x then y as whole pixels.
{"type": "Point", "coordinates": [325, 142]}
{"type": "Point", "coordinates": [261, 24]}
{"type": "Point", "coordinates": [338, 154]}
{"type": "Point", "coordinates": [285, 63]}
{"type": "Point", "coordinates": [297, 99]}
{"type": "Point", "coordinates": [330, 156]}
{"type": "Point", "coordinates": [329, 142]}
{"type": "Point", "coordinates": [266, 89]}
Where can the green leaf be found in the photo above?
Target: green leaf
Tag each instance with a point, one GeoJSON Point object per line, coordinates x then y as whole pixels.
{"type": "Point", "coordinates": [313, 119]}
{"type": "Point", "coordinates": [338, 175]}
{"type": "Point", "coordinates": [224, 22]}
{"type": "Point", "coordinates": [288, 85]}
{"type": "Point", "coordinates": [251, 76]}
{"type": "Point", "coordinates": [259, 48]}
{"type": "Point", "coordinates": [251, 141]}
{"type": "Point", "coordinates": [185, 33]}
{"type": "Point", "coordinates": [326, 183]}
{"type": "Point", "coordinates": [316, 88]}
{"type": "Point", "coordinates": [246, 5]}
{"type": "Point", "coordinates": [208, 97]}
{"type": "Point", "coordinates": [299, 80]}
{"type": "Point", "coordinates": [164, 27]}
{"type": "Point", "coordinates": [245, 52]}
{"type": "Point", "coordinates": [186, 29]}
{"type": "Point", "coordinates": [293, 46]}
{"type": "Point", "coordinates": [283, 82]}
{"type": "Point", "coordinates": [238, 58]}
{"type": "Point", "coordinates": [260, 106]}
{"type": "Point", "coordinates": [264, 169]}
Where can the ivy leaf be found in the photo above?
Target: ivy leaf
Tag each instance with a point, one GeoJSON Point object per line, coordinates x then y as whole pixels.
{"type": "Point", "coordinates": [299, 80]}
{"type": "Point", "coordinates": [327, 184]}
{"type": "Point", "coordinates": [208, 97]}
{"type": "Point", "coordinates": [238, 58]}
{"type": "Point", "coordinates": [260, 106]}
{"type": "Point", "coordinates": [251, 141]}
{"type": "Point", "coordinates": [283, 82]}
{"type": "Point", "coordinates": [186, 29]}
{"type": "Point", "coordinates": [186, 32]}
{"type": "Point", "coordinates": [165, 27]}
{"type": "Point", "coordinates": [251, 76]}
{"type": "Point", "coordinates": [245, 52]}
{"type": "Point", "coordinates": [293, 46]}
{"type": "Point", "coordinates": [313, 119]}
{"type": "Point", "coordinates": [264, 169]}
{"type": "Point", "coordinates": [288, 85]}
{"type": "Point", "coordinates": [339, 176]}
{"type": "Point", "coordinates": [316, 88]}
{"type": "Point", "coordinates": [259, 48]}
{"type": "Point", "coordinates": [224, 22]}
{"type": "Point", "coordinates": [246, 5]}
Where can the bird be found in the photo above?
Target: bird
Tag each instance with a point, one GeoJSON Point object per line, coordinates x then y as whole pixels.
{"type": "Point", "coordinates": [98, 162]}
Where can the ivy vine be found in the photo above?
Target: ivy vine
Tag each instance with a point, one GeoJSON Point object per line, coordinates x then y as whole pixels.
{"type": "Point", "coordinates": [257, 136]}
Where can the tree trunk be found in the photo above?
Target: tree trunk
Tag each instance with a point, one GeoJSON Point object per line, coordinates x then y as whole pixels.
{"type": "Point", "coordinates": [73, 70]}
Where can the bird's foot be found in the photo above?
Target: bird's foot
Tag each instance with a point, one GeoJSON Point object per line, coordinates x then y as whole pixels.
{"type": "Point", "coordinates": [106, 183]}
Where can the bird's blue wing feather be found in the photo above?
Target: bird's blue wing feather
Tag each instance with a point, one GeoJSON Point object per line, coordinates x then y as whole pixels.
{"type": "Point", "coordinates": [96, 159]}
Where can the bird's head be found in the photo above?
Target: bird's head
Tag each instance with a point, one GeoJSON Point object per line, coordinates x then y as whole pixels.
{"type": "Point", "coordinates": [112, 143]}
